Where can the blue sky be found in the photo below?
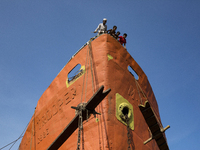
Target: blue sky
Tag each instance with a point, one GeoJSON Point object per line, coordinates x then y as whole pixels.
{"type": "Point", "coordinates": [37, 38]}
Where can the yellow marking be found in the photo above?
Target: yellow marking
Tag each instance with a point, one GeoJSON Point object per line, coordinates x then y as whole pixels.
{"type": "Point", "coordinates": [109, 57]}
{"type": "Point", "coordinates": [121, 105]}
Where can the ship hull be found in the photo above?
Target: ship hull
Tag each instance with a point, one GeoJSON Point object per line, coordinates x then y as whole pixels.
{"type": "Point", "coordinates": [105, 62]}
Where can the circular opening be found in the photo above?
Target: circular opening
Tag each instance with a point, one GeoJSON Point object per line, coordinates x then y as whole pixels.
{"type": "Point", "coordinates": [125, 111]}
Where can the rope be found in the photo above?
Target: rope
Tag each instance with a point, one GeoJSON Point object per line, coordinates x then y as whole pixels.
{"type": "Point", "coordinates": [84, 77]}
{"type": "Point", "coordinates": [91, 64]}
{"type": "Point", "coordinates": [87, 62]}
{"type": "Point", "coordinates": [142, 91]}
{"type": "Point", "coordinates": [13, 142]}
{"type": "Point", "coordinates": [80, 121]}
{"type": "Point", "coordinates": [138, 91]}
{"type": "Point", "coordinates": [100, 107]}
{"type": "Point", "coordinates": [100, 126]}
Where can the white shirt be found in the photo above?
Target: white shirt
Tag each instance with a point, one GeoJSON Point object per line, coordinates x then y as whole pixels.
{"type": "Point", "coordinates": [101, 28]}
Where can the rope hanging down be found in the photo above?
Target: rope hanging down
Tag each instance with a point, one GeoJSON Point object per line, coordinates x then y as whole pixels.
{"type": "Point", "coordinates": [80, 120]}
{"type": "Point", "coordinates": [93, 88]}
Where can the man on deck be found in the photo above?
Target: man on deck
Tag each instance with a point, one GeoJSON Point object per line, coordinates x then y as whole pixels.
{"type": "Point", "coordinates": [102, 27]}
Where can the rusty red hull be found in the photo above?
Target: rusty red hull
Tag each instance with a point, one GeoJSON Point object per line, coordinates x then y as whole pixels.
{"type": "Point", "coordinates": [106, 63]}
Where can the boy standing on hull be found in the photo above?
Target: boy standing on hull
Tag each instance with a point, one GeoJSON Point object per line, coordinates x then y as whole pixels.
{"type": "Point", "coordinates": [112, 31]}
{"type": "Point", "coordinates": [122, 39]}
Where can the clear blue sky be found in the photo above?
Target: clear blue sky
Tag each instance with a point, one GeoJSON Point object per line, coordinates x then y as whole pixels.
{"type": "Point", "coordinates": [37, 38]}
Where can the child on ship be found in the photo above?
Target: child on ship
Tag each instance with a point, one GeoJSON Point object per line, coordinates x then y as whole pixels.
{"type": "Point", "coordinates": [117, 35]}
{"type": "Point", "coordinates": [112, 31]}
{"type": "Point", "coordinates": [122, 39]}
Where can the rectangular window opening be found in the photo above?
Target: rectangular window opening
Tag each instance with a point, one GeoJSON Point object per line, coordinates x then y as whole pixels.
{"type": "Point", "coordinates": [132, 71]}
{"type": "Point", "coordinates": [76, 72]}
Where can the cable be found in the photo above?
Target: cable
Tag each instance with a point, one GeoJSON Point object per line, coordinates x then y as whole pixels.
{"type": "Point", "coordinates": [13, 142]}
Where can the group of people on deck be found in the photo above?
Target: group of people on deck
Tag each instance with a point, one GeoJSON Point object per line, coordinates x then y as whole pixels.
{"type": "Point", "coordinates": [102, 28]}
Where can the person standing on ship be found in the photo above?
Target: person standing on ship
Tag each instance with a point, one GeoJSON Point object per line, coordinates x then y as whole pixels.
{"type": "Point", "coordinates": [122, 39]}
{"type": "Point", "coordinates": [112, 31]}
{"type": "Point", "coordinates": [117, 35]}
{"type": "Point", "coordinates": [102, 27]}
